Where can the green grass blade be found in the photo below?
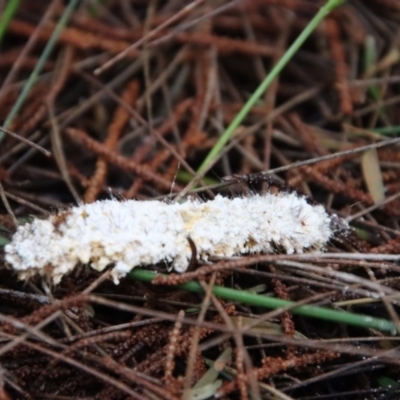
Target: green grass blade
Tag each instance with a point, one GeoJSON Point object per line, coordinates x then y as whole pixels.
{"type": "Point", "coordinates": [38, 67]}
{"type": "Point", "coordinates": [387, 130]}
{"type": "Point", "coordinates": [245, 297]}
{"type": "Point", "coordinates": [369, 60]}
{"type": "Point", "coordinates": [322, 13]}
{"type": "Point", "coordinates": [185, 177]}
{"type": "Point", "coordinates": [9, 11]}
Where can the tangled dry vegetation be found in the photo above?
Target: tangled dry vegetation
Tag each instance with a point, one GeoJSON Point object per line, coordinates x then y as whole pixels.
{"type": "Point", "coordinates": [149, 119]}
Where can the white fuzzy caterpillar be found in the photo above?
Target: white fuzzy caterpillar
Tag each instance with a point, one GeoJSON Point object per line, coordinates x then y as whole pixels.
{"type": "Point", "coordinates": [133, 233]}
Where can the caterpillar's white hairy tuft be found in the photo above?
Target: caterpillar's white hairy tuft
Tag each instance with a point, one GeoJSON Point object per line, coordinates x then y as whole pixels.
{"type": "Point", "coordinates": [133, 233]}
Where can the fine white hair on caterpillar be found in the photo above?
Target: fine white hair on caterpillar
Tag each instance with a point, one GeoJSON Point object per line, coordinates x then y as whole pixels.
{"type": "Point", "coordinates": [134, 233]}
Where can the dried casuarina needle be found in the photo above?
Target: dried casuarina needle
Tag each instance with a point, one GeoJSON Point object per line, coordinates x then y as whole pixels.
{"type": "Point", "coordinates": [132, 233]}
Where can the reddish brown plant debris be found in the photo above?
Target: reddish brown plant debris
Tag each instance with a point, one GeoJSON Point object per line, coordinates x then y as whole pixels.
{"type": "Point", "coordinates": [143, 126]}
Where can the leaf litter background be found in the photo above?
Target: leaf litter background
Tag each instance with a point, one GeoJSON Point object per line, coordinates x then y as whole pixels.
{"type": "Point", "coordinates": [149, 120]}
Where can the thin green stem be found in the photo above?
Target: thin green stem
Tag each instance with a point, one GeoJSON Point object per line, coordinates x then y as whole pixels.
{"type": "Point", "coordinates": [322, 13]}
{"type": "Point", "coordinates": [38, 67]}
{"type": "Point", "coordinates": [387, 130]}
{"type": "Point", "coordinates": [8, 13]}
{"type": "Point", "coordinates": [342, 317]}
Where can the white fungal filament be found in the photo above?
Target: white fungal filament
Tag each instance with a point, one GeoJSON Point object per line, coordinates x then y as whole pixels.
{"type": "Point", "coordinates": [138, 233]}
